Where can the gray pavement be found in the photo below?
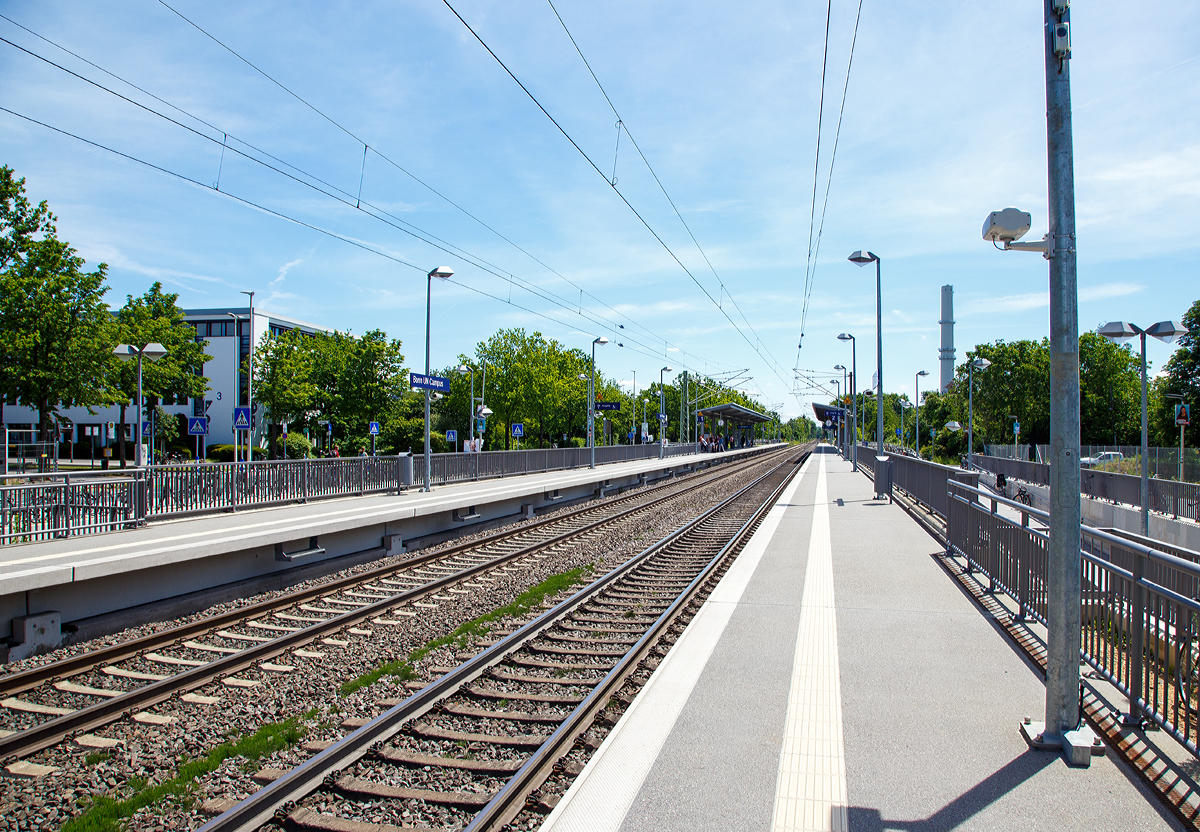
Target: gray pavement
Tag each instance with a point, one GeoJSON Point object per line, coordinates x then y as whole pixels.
{"type": "Point", "coordinates": [931, 695]}
{"type": "Point", "coordinates": [32, 566]}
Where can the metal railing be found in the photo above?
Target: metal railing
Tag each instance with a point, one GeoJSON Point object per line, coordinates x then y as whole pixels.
{"type": "Point", "coordinates": [47, 506]}
{"type": "Point", "coordinates": [1178, 499]}
{"type": "Point", "coordinates": [1140, 613]}
{"type": "Point", "coordinates": [924, 481]}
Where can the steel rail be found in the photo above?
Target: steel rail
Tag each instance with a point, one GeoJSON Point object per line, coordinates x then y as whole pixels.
{"type": "Point", "coordinates": [16, 683]}
{"type": "Point", "coordinates": [510, 800]}
{"type": "Point", "coordinates": [57, 729]}
{"type": "Point", "coordinates": [258, 808]}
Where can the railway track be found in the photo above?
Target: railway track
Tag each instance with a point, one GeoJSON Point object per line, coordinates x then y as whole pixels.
{"type": "Point", "coordinates": [46, 705]}
{"type": "Point", "coordinates": [471, 749]}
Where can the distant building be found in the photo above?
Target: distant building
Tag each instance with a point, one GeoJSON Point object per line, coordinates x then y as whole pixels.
{"type": "Point", "coordinates": [229, 333]}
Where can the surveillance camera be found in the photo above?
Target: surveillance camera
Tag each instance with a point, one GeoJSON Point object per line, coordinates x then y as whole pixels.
{"type": "Point", "coordinates": [1006, 226]}
{"type": "Point", "coordinates": [1062, 40]}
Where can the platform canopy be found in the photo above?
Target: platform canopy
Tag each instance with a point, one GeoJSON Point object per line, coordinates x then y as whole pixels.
{"type": "Point", "coordinates": [826, 413]}
{"type": "Point", "coordinates": [735, 414]}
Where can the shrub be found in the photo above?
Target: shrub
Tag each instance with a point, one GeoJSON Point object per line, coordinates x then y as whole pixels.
{"type": "Point", "coordinates": [298, 446]}
{"type": "Point", "coordinates": [224, 453]}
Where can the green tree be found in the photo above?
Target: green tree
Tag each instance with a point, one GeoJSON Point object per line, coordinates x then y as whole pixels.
{"type": "Point", "coordinates": [21, 225]}
{"type": "Point", "coordinates": [283, 369]}
{"type": "Point", "coordinates": [1181, 376]}
{"type": "Point", "coordinates": [56, 332]}
{"type": "Point", "coordinates": [156, 317]}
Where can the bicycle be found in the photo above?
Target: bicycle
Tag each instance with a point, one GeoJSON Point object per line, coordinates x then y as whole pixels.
{"type": "Point", "coordinates": [1024, 496]}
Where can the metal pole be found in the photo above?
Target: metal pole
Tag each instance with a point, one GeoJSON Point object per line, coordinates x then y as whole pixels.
{"type": "Point", "coordinates": [1145, 450]}
{"type": "Point", "coordinates": [428, 462]}
{"type": "Point", "coordinates": [591, 415]}
{"type": "Point", "coordinates": [970, 410]}
{"type": "Point", "coordinates": [854, 399]}
{"type": "Point", "coordinates": [1063, 566]}
{"type": "Point", "coordinates": [140, 455]}
{"type": "Point", "coordinates": [879, 358]}
{"type": "Point", "coordinates": [917, 412]}
{"type": "Point", "coordinates": [250, 383]}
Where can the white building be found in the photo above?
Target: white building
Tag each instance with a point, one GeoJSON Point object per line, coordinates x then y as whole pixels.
{"type": "Point", "coordinates": [226, 381]}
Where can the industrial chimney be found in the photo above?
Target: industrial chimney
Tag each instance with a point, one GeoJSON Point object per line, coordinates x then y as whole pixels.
{"type": "Point", "coordinates": [946, 353]}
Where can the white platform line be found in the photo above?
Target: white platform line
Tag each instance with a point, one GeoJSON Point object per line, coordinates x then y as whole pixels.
{"type": "Point", "coordinates": [601, 795]}
{"type": "Point", "coordinates": [811, 792]}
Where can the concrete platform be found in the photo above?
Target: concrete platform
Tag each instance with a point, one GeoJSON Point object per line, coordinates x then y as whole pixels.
{"type": "Point", "coordinates": [837, 679]}
{"type": "Point", "coordinates": [93, 575]}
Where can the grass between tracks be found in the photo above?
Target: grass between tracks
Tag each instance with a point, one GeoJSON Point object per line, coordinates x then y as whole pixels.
{"type": "Point", "coordinates": [464, 634]}
{"type": "Point", "coordinates": [109, 814]}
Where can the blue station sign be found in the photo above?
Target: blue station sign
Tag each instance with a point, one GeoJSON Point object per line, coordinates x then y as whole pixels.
{"type": "Point", "coordinates": [608, 405]}
{"type": "Point", "coordinates": [423, 382]}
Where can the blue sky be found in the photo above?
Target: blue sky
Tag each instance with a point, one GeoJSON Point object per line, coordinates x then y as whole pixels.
{"type": "Point", "coordinates": [944, 122]}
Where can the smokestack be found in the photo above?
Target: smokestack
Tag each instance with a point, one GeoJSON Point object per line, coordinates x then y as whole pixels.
{"type": "Point", "coordinates": [946, 353]}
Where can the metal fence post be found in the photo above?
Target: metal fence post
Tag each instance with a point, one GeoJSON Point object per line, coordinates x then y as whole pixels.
{"type": "Point", "coordinates": [1137, 615]}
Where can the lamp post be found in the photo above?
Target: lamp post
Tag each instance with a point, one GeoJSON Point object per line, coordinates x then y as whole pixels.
{"type": "Point", "coordinates": [441, 273]}
{"type": "Point", "coordinates": [862, 258]}
{"type": "Point", "coordinates": [635, 401]}
{"type": "Point", "coordinates": [843, 434]}
{"type": "Point", "coordinates": [845, 336]}
{"type": "Point", "coordinates": [154, 351]}
{"type": "Point", "coordinates": [662, 423]}
{"type": "Point", "coordinates": [1120, 331]}
{"type": "Point", "coordinates": [250, 382]}
{"type": "Point", "coordinates": [983, 364]}
{"type": "Point", "coordinates": [644, 403]}
{"type": "Point", "coordinates": [464, 369]}
{"type": "Point", "coordinates": [237, 370]}
{"type": "Point", "coordinates": [917, 393]}
{"type": "Point", "coordinates": [591, 416]}
{"type": "Point", "coordinates": [903, 407]}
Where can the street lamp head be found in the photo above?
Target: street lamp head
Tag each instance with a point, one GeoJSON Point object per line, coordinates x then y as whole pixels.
{"type": "Point", "coordinates": [845, 336]}
{"type": "Point", "coordinates": [601, 341]}
{"type": "Point", "coordinates": [1119, 331]}
{"type": "Point", "coordinates": [154, 351]}
{"type": "Point", "coordinates": [442, 273]}
{"type": "Point", "coordinates": [954, 426]}
{"type": "Point", "coordinates": [981, 363]}
{"type": "Point", "coordinates": [464, 369]}
{"type": "Point", "coordinates": [923, 373]}
{"type": "Point", "coordinates": [583, 376]}
{"type": "Point", "coordinates": [1166, 331]}
{"type": "Point", "coordinates": [862, 257]}
{"type": "Point", "coordinates": [125, 352]}
{"type": "Point", "coordinates": [838, 367]}
{"type": "Point", "coordinates": [485, 411]}
{"type": "Point", "coordinates": [1006, 226]}
{"type": "Point", "coordinates": [667, 370]}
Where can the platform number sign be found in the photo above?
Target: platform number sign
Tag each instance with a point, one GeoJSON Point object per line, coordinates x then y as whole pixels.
{"type": "Point", "coordinates": [1183, 414]}
{"type": "Point", "coordinates": [518, 429]}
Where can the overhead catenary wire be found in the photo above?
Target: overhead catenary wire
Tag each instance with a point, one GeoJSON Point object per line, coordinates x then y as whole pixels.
{"type": "Point", "coordinates": [386, 159]}
{"type": "Point", "coordinates": [347, 199]}
{"type": "Point", "coordinates": [280, 215]}
{"type": "Point", "coordinates": [621, 125]}
{"type": "Point", "coordinates": [812, 218]}
{"type": "Point", "coordinates": [772, 365]}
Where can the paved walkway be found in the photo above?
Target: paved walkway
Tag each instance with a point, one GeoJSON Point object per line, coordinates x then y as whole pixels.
{"type": "Point", "coordinates": [838, 678]}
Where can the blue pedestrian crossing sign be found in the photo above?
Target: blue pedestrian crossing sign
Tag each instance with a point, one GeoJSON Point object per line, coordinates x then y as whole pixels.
{"type": "Point", "coordinates": [518, 429]}
{"type": "Point", "coordinates": [241, 418]}
{"type": "Point", "coordinates": [897, 431]}
{"type": "Point", "coordinates": [451, 436]}
{"type": "Point", "coordinates": [145, 429]}
{"type": "Point", "coordinates": [198, 426]}
{"type": "Point", "coordinates": [373, 428]}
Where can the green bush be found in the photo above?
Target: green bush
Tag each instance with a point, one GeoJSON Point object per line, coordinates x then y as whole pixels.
{"type": "Point", "coordinates": [298, 446]}
{"type": "Point", "coordinates": [224, 453]}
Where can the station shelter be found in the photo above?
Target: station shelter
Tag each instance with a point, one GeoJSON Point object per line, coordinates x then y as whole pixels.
{"type": "Point", "coordinates": [829, 419]}
{"type": "Point", "coordinates": [730, 423]}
